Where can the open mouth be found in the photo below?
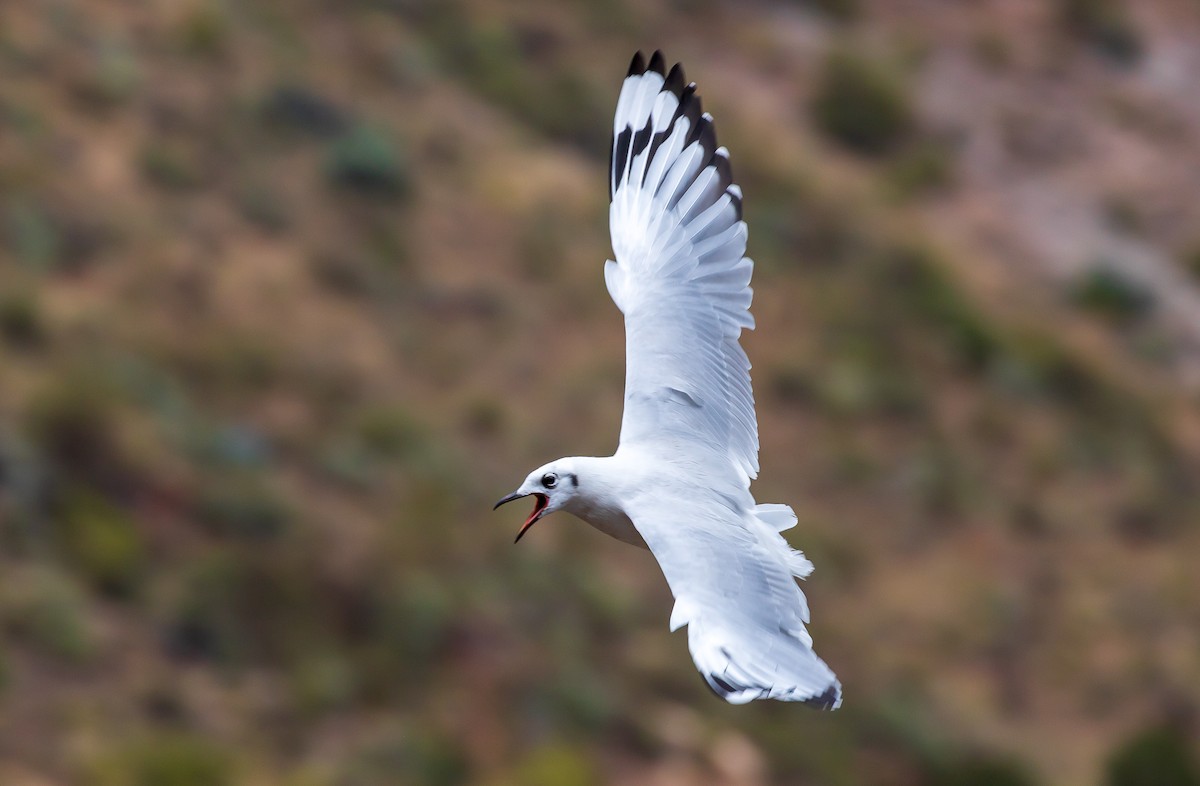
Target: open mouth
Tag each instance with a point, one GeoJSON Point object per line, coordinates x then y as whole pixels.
{"type": "Point", "coordinates": [541, 502]}
{"type": "Point", "coordinates": [539, 507]}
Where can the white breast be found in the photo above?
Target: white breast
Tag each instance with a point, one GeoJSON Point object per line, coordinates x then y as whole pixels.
{"type": "Point", "coordinates": [618, 526]}
{"type": "Point", "coordinates": [608, 519]}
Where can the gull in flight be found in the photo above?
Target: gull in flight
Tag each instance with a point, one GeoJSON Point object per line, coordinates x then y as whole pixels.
{"type": "Point", "coordinates": [679, 482]}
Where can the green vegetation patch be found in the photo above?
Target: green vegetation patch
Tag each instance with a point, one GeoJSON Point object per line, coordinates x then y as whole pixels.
{"type": "Point", "coordinates": [48, 611]}
{"type": "Point", "coordinates": [862, 104]}
{"type": "Point", "coordinates": [844, 11]}
{"type": "Point", "coordinates": [495, 60]}
{"type": "Point", "coordinates": [31, 234]}
{"type": "Point", "coordinates": [246, 605]}
{"type": "Point", "coordinates": [21, 323]}
{"type": "Point", "coordinates": [1161, 756]}
{"type": "Point", "coordinates": [983, 770]}
{"type": "Point", "coordinates": [244, 510]}
{"type": "Point", "coordinates": [101, 541]}
{"type": "Point", "coordinates": [71, 424]}
{"type": "Point", "coordinates": [367, 160]}
{"type": "Point", "coordinates": [556, 765]}
{"type": "Point", "coordinates": [929, 294]}
{"type": "Point", "coordinates": [1105, 291]}
{"type": "Point", "coordinates": [926, 168]}
{"type": "Point", "coordinates": [171, 165]}
{"type": "Point", "coordinates": [1106, 26]}
{"type": "Point", "coordinates": [166, 759]}
{"type": "Point", "coordinates": [205, 29]}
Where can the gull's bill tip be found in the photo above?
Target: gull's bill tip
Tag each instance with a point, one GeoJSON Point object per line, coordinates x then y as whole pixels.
{"type": "Point", "coordinates": [539, 508]}
{"type": "Point", "coordinates": [508, 499]}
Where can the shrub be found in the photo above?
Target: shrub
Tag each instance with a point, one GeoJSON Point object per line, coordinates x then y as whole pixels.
{"type": "Point", "coordinates": [70, 423]}
{"type": "Point", "coordinates": [390, 432]}
{"type": "Point", "coordinates": [246, 511]}
{"type": "Point", "coordinates": [365, 159]}
{"type": "Point", "coordinates": [484, 417]}
{"type": "Point", "coordinates": [1108, 293]}
{"type": "Point", "coordinates": [1036, 363]}
{"type": "Point", "coordinates": [1154, 757]}
{"type": "Point", "coordinates": [1106, 26]}
{"type": "Point", "coordinates": [32, 235]}
{"type": "Point", "coordinates": [1123, 214]}
{"type": "Point", "coordinates": [170, 166]}
{"type": "Point", "coordinates": [112, 77]}
{"type": "Point", "coordinates": [496, 61]}
{"type": "Point", "coordinates": [163, 760]}
{"type": "Point", "coordinates": [929, 294]}
{"type": "Point", "coordinates": [342, 274]}
{"type": "Point", "coordinates": [861, 105]}
{"type": "Point", "coordinates": [48, 610]}
{"type": "Point", "coordinates": [992, 50]}
{"type": "Point", "coordinates": [204, 31]}
{"type": "Point", "coordinates": [423, 756]}
{"type": "Point", "coordinates": [844, 11]}
{"type": "Point", "coordinates": [238, 607]}
{"type": "Point", "coordinates": [323, 682]}
{"type": "Point", "coordinates": [927, 167]}
{"type": "Point", "coordinates": [21, 320]}
{"type": "Point", "coordinates": [265, 208]}
{"type": "Point", "coordinates": [568, 110]}
{"type": "Point", "coordinates": [1190, 259]}
{"type": "Point", "coordinates": [983, 771]}
{"type": "Point", "coordinates": [100, 541]}
{"type": "Point", "coordinates": [557, 765]}
{"type": "Point", "coordinates": [300, 108]}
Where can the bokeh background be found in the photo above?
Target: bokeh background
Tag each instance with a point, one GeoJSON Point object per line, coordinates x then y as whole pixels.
{"type": "Point", "coordinates": [291, 292]}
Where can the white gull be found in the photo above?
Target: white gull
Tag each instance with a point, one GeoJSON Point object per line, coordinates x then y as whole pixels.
{"type": "Point", "coordinates": [679, 482]}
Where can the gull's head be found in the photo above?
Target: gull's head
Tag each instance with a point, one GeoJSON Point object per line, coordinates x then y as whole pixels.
{"type": "Point", "coordinates": [552, 486]}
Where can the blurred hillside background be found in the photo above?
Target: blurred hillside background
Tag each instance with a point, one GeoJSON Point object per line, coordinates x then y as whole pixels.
{"type": "Point", "coordinates": [291, 292]}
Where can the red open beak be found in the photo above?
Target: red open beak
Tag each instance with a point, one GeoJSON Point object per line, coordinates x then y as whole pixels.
{"type": "Point", "coordinates": [539, 508]}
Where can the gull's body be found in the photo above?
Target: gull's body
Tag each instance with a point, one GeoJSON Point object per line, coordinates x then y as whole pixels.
{"type": "Point", "coordinates": [679, 483]}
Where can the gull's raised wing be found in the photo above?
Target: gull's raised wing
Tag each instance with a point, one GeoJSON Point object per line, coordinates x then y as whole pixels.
{"type": "Point", "coordinates": [732, 576]}
{"type": "Point", "coordinates": [680, 275]}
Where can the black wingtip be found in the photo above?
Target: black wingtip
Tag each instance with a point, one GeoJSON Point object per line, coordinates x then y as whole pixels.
{"type": "Point", "coordinates": [724, 172]}
{"type": "Point", "coordinates": [675, 80]}
{"type": "Point", "coordinates": [721, 687]}
{"type": "Point", "coordinates": [725, 688]}
{"type": "Point", "coordinates": [707, 135]}
{"type": "Point", "coordinates": [629, 142]}
{"type": "Point", "coordinates": [827, 700]}
{"type": "Point", "coordinates": [689, 107]}
{"type": "Point", "coordinates": [657, 63]}
{"type": "Point", "coordinates": [737, 203]}
{"type": "Point", "coordinates": [637, 66]}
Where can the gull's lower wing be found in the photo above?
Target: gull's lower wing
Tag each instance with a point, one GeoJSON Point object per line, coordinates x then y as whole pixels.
{"type": "Point", "coordinates": [733, 577]}
{"type": "Point", "coordinates": [680, 276]}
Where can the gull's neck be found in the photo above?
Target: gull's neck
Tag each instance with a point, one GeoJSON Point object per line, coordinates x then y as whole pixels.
{"type": "Point", "coordinates": [603, 483]}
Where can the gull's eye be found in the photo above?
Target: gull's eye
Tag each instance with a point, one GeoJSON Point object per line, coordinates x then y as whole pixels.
{"type": "Point", "coordinates": [549, 480]}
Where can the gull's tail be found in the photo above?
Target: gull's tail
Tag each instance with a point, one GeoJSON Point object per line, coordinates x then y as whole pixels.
{"type": "Point", "coordinates": [779, 518]}
{"type": "Point", "coordinates": [750, 657]}
{"type": "Point", "coordinates": [782, 666]}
